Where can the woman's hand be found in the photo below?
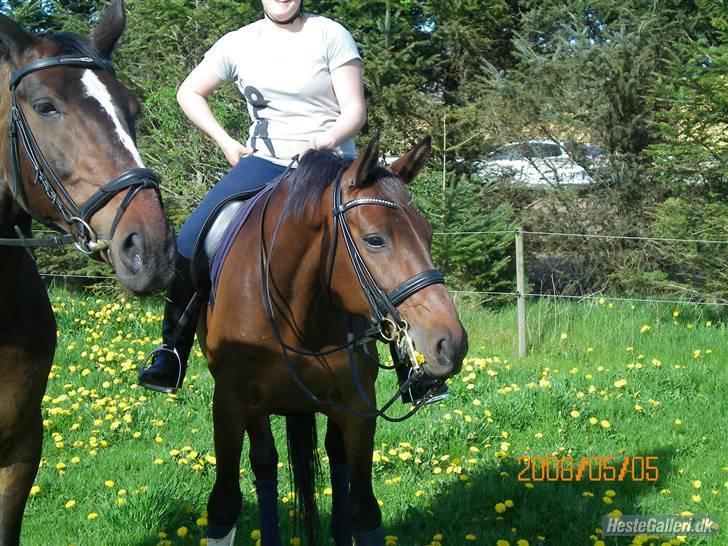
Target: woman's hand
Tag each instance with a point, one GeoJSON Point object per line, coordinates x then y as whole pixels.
{"type": "Point", "coordinates": [234, 150]}
{"type": "Point", "coordinates": [320, 141]}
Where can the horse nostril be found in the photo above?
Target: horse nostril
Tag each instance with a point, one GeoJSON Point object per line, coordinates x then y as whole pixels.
{"type": "Point", "coordinates": [442, 347]}
{"type": "Point", "coordinates": [131, 252]}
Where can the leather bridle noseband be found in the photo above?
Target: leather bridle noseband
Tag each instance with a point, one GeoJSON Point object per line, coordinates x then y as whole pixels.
{"type": "Point", "coordinates": [77, 218]}
{"type": "Point", "coordinates": [385, 324]}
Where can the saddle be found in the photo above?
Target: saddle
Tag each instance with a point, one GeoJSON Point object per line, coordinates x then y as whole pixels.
{"type": "Point", "coordinates": [217, 233]}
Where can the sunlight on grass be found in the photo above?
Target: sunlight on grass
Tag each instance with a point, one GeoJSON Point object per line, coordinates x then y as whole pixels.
{"type": "Point", "coordinates": [123, 466]}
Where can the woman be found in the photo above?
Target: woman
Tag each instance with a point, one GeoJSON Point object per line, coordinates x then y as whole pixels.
{"type": "Point", "coordinates": [301, 77]}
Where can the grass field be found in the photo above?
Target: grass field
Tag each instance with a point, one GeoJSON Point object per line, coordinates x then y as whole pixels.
{"type": "Point", "coordinates": [124, 466]}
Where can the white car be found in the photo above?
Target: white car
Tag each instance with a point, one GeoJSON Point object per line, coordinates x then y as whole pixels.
{"type": "Point", "coordinates": [539, 163]}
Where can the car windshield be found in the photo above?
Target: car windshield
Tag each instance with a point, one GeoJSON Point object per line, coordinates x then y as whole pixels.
{"type": "Point", "coordinates": [527, 150]}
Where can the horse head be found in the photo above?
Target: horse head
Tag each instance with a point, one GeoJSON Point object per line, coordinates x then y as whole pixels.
{"type": "Point", "coordinates": [393, 239]}
{"type": "Point", "coordinates": [70, 160]}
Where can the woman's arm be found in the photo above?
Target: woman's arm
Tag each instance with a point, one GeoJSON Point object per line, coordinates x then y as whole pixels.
{"type": "Point", "coordinates": [192, 97]}
{"type": "Point", "coordinates": [349, 89]}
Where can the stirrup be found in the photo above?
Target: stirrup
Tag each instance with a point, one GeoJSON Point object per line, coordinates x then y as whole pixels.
{"type": "Point", "coordinates": [161, 388]}
{"type": "Point", "coordinates": [434, 391]}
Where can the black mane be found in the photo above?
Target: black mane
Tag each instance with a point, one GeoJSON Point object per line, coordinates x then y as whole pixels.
{"type": "Point", "coordinates": [316, 173]}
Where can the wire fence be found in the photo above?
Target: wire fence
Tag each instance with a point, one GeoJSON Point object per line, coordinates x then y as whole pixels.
{"type": "Point", "coordinates": [518, 294]}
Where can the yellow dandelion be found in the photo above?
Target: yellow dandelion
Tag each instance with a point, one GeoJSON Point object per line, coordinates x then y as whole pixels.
{"type": "Point", "coordinates": [182, 531]}
{"type": "Point", "coordinates": [70, 504]}
{"type": "Point", "coordinates": [574, 413]}
{"type": "Point", "coordinates": [109, 483]}
{"type": "Point", "coordinates": [255, 534]}
{"type": "Point", "coordinates": [605, 423]}
{"type": "Point", "coordinates": [92, 516]}
{"type": "Point", "coordinates": [509, 503]}
{"type": "Point", "coordinates": [34, 490]}
{"type": "Point", "coordinates": [502, 542]}
{"type": "Point", "coordinates": [500, 507]}
{"type": "Point", "coordinates": [697, 484]}
{"type": "Point", "coordinates": [471, 537]}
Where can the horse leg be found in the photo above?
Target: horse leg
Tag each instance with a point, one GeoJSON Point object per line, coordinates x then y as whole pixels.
{"type": "Point", "coordinates": [366, 517]}
{"type": "Point", "coordinates": [223, 506]}
{"type": "Point", "coordinates": [19, 458]}
{"type": "Point", "coordinates": [339, 472]}
{"type": "Point", "coordinates": [264, 462]}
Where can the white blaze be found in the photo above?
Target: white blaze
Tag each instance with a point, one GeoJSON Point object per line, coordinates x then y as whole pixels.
{"type": "Point", "coordinates": [96, 89]}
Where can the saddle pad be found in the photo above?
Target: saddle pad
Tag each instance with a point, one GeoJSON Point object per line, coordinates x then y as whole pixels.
{"type": "Point", "coordinates": [229, 236]}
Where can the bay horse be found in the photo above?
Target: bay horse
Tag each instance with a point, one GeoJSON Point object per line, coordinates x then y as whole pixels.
{"type": "Point", "coordinates": [69, 161]}
{"type": "Point", "coordinates": [331, 258]}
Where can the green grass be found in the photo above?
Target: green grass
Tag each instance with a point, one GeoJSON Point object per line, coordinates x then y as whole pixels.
{"type": "Point", "coordinates": [658, 380]}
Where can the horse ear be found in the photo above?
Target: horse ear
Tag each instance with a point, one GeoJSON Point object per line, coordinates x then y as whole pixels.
{"type": "Point", "coordinates": [110, 28]}
{"type": "Point", "coordinates": [13, 38]}
{"type": "Point", "coordinates": [364, 163]}
{"type": "Point", "coordinates": [411, 163]}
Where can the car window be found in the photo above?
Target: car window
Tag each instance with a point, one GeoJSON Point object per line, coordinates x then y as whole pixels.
{"type": "Point", "coordinates": [526, 150]}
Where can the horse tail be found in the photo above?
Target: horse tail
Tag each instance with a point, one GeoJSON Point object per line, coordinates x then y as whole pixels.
{"type": "Point", "coordinates": [304, 465]}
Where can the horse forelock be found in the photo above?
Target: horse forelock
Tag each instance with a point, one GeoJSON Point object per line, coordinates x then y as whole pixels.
{"type": "Point", "coordinates": [318, 170]}
{"type": "Point", "coordinates": [76, 45]}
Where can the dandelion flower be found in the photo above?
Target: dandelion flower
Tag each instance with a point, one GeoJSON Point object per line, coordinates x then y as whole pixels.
{"type": "Point", "coordinates": [574, 414]}
{"type": "Point", "coordinates": [471, 537]}
{"type": "Point", "coordinates": [605, 424]}
{"type": "Point", "coordinates": [70, 504]}
{"type": "Point", "coordinates": [500, 507]}
{"type": "Point", "coordinates": [182, 531]}
{"type": "Point", "coordinates": [697, 484]}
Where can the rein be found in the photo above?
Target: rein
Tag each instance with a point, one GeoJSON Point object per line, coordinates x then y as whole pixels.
{"type": "Point", "coordinates": [392, 331]}
{"type": "Point", "coordinates": [77, 218]}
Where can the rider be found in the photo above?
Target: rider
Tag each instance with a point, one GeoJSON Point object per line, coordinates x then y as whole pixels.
{"type": "Point", "coordinates": [301, 77]}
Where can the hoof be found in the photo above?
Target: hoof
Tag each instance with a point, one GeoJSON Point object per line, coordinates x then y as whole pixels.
{"type": "Point", "coordinates": [375, 537]}
{"type": "Point", "coordinates": [227, 540]}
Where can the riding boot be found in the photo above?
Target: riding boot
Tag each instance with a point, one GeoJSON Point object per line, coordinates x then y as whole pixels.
{"type": "Point", "coordinates": [423, 390]}
{"type": "Point", "coordinates": [181, 310]}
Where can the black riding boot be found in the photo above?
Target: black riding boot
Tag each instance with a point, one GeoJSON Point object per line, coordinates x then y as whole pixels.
{"type": "Point", "coordinates": [169, 361]}
{"type": "Point", "coordinates": [421, 391]}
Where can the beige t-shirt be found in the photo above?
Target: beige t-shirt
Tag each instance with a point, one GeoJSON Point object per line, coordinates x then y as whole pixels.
{"type": "Point", "coordinates": [286, 81]}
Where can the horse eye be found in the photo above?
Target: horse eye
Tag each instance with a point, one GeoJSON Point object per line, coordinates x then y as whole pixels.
{"type": "Point", "coordinates": [45, 108]}
{"type": "Point", "coordinates": [375, 241]}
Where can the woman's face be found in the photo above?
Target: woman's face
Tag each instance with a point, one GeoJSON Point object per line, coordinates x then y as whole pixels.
{"type": "Point", "coordinates": [280, 11]}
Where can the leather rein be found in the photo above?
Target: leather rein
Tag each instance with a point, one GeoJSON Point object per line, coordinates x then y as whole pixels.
{"type": "Point", "coordinates": [385, 324]}
{"type": "Point", "coordinates": [77, 218]}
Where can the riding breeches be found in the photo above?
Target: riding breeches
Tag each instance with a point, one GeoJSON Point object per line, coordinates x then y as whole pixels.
{"type": "Point", "coordinates": [249, 174]}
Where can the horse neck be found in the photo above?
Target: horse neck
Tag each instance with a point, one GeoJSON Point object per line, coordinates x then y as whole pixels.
{"type": "Point", "coordinates": [10, 212]}
{"type": "Point", "coordinates": [296, 263]}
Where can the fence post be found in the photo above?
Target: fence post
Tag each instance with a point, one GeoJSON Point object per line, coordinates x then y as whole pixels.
{"type": "Point", "coordinates": [521, 293]}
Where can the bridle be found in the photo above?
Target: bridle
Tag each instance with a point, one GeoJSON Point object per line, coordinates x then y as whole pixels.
{"type": "Point", "coordinates": [77, 218]}
{"type": "Point", "coordinates": [385, 324]}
